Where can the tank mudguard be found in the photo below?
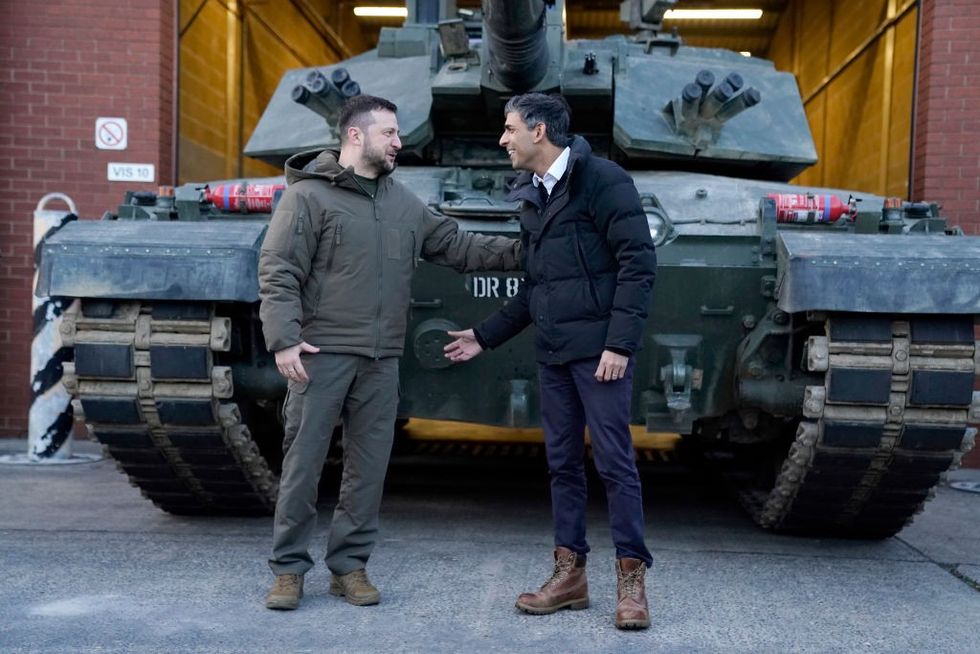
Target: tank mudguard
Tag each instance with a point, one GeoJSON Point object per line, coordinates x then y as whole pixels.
{"type": "Point", "coordinates": [148, 260]}
{"type": "Point", "coordinates": [878, 273]}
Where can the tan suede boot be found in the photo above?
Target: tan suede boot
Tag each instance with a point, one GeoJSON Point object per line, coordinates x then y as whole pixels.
{"type": "Point", "coordinates": [631, 595]}
{"type": "Point", "coordinates": [568, 587]}
{"type": "Point", "coordinates": [286, 593]}
{"type": "Point", "coordinates": [355, 587]}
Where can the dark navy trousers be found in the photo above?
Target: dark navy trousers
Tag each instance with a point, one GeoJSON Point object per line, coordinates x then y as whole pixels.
{"type": "Point", "coordinates": [571, 398]}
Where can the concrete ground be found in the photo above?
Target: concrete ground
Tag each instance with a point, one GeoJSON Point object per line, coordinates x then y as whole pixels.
{"type": "Point", "coordinates": [89, 566]}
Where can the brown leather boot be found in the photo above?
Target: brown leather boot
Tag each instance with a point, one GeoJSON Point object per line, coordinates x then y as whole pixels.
{"type": "Point", "coordinates": [631, 595]}
{"type": "Point", "coordinates": [567, 588]}
{"type": "Point", "coordinates": [285, 593]}
{"type": "Point", "coordinates": [355, 587]}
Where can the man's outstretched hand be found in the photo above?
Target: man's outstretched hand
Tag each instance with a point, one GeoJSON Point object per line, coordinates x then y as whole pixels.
{"type": "Point", "coordinates": [464, 348]}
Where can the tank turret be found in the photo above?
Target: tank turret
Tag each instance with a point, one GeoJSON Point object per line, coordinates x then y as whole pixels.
{"type": "Point", "coordinates": [632, 97]}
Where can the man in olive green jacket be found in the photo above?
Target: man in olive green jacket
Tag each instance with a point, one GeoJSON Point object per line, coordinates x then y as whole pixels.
{"type": "Point", "coordinates": [335, 274]}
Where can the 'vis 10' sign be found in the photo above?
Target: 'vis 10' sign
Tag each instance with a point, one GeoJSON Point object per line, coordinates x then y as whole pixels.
{"type": "Point", "coordinates": [128, 172]}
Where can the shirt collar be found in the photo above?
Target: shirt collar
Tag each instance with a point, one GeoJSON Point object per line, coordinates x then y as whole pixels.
{"type": "Point", "coordinates": [554, 173]}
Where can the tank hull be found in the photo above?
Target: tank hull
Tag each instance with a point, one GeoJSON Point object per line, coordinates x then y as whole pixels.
{"type": "Point", "coordinates": [171, 374]}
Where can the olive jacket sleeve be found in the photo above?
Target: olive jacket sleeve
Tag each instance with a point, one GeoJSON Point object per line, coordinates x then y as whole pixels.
{"type": "Point", "coordinates": [285, 262]}
{"type": "Point", "coordinates": [444, 243]}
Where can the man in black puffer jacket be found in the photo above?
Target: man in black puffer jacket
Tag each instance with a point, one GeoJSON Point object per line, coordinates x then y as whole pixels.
{"type": "Point", "coordinates": [589, 265]}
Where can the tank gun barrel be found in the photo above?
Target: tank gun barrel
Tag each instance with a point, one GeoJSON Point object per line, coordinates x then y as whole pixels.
{"type": "Point", "coordinates": [515, 36]}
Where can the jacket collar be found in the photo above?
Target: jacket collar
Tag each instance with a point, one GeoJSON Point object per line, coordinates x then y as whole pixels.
{"type": "Point", "coordinates": [324, 164]}
{"type": "Point", "coordinates": [523, 188]}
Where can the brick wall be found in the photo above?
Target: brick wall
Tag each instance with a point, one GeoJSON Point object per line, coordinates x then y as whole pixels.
{"type": "Point", "coordinates": [947, 132]}
{"type": "Point", "coordinates": [63, 64]}
{"type": "Point", "coordinates": [946, 158]}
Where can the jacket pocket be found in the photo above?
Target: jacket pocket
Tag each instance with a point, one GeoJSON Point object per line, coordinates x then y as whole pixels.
{"type": "Point", "coordinates": [583, 262]}
{"type": "Point", "coordinates": [400, 245]}
{"type": "Point", "coordinates": [336, 238]}
{"type": "Point", "coordinates": [281, 236]}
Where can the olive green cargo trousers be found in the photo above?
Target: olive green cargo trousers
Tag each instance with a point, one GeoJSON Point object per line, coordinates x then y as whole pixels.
{"type": "Point", "coordinates": [364, 392]}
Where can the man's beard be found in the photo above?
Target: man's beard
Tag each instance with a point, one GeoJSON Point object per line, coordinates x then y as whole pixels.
{"type": "Point", "coordinates": [378, 161]}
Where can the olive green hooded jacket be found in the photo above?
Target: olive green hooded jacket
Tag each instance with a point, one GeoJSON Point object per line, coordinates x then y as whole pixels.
{"type": "Point", "coordinates": [336, 265]}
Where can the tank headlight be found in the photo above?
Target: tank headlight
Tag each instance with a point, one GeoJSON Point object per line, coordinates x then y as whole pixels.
{"type": "Point", "coordinates": [659, 227]}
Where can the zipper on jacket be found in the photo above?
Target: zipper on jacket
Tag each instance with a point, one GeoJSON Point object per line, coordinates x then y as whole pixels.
{"type": "Point", "coordinates": [335, 242]}
{"type": "Point", "coordinates": [377, 322]}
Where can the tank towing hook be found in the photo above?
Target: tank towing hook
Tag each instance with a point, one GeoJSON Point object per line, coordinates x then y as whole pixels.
{"type": "Point", "coordinates": [678, 378]}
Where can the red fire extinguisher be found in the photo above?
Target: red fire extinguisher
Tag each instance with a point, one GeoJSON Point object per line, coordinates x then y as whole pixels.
{"type": "Point", "coordinates": [244, 198]}
{"type": "Point", "coordinates": [810, 208]}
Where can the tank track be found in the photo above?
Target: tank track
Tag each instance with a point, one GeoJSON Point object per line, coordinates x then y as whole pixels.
{"type": "Point", "coordinates": [145, 382]}
{"type": "Point", "coordinates": [877, 437]}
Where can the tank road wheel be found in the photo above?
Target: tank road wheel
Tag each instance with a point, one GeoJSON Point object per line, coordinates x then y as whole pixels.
{"type": "Point", "coordinates": [146, 385]}
{"type": "Point", "coordinates": [876, 437]}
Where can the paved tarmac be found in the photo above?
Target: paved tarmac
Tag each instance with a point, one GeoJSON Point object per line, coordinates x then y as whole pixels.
{"type": "Point", "coordinates": [89, 566]}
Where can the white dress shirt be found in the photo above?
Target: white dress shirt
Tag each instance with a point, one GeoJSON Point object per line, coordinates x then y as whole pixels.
{"type": "Point", "coordinates": [554, 173]}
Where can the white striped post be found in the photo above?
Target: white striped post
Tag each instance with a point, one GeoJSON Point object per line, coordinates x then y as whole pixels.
{"type": "Point", "coordinates": [50, 418]}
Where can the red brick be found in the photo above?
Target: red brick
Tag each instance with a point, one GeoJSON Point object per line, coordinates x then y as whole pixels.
{"type": "Point", "coordinates": [60, 69]}
{"type": "Point", "coordinates": [947, 150]}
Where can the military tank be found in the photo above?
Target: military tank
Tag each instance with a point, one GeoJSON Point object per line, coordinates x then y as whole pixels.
{"type": "Point", "coordinates": [817, 344]}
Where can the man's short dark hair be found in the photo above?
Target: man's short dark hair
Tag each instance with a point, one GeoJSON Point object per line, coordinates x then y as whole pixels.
{"type": "Point", "coordinates": [357, 112]}
{"type": "Point", "coordinates": [552, 110]}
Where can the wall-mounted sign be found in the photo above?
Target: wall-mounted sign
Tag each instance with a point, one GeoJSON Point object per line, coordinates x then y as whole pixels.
{"type": "Point", "coordinates": [130, 172]}
{"type": "Point", "coordinates": [110, 133]}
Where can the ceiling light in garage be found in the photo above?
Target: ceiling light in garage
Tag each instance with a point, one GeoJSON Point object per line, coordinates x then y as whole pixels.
{"type": "Point", "coordinates": [713, 14]}
{"type": "Point", "coordinates": [381, 12]}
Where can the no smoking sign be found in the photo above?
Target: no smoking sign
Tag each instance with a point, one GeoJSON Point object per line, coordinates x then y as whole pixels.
{"type": "Point", "coordinates": [110, 133]}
